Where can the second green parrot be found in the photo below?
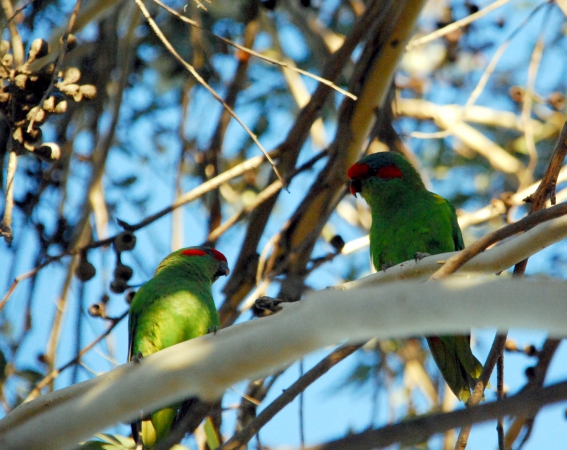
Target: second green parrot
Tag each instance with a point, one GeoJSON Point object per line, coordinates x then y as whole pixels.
{"type": "Point", "coordinates": [174, 306]}
{"type": "Point", "coordinates": [407, 221]}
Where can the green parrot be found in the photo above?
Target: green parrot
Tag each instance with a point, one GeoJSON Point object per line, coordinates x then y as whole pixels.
{"type": "Point", "coordinates": [408, 221]}
{"type": "Point", "coordinates": [174, 306]}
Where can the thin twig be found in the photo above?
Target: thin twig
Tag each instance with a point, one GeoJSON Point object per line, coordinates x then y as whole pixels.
{"type": "Point", "coordinates": [256, 54]}
{"type": "Point", "coordinates": [417, 42]}
{"type": "Point", "coordinates": [201, 80]}
{"type": "Point", "coordinates": [55, 373]}
{"type": "Point", "coordinates": [16, 12]}
{"type": "Point", "coordinates": [549, 181]}
{"type": "Point", "coordinates": [209, 185]}
{"type": "Point", "coordinates": [479, 88]}
{"type": "Point", "coordinates": [527, 109]}
{"type": "Point", "coordinates": [244, 436]}
{"type": "Point", "coordinates": [55, 333]}
{"type": "Point", "coordinates": [260, 198]}
{"type": "Point", "coordinates": [6, 225]}
{"type": "Point", "coordinates": [414, 431]}
{"type": "Point", "coordinates": [500, 396]}
{"type": "Point", "coordinates": [539, 373]}
{"type": "Point", "coordinates": [527, 223]}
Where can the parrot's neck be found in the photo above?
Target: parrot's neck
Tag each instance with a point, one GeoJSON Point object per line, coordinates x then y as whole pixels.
{"type": "Point", "coordinates": [183, 271]}
{"type": "Point", "coordinates": [388, 201]}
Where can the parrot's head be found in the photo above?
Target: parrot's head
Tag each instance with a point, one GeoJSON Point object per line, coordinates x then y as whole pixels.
{"type": "Point", "coordinates": [206, 260]}
{"type": "Point", "coordinates": [382, 171]}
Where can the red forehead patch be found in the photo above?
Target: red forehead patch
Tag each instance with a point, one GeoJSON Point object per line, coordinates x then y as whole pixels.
{"type": "Point", "coordinates": [389, 172]}
{"type": "Point", "coordinates": [218, 255]}
{"type": "Point", "coordinates": [198, 252]}
{"type": "Point", "coordinates": [358, 170]}
{"type": "Point", "coordinates": [193, 252]}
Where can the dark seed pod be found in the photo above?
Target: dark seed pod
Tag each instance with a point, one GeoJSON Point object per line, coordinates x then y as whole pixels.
{"type": "Point", "coordinates": [85, 270]}
{"type": "Point", "coordinates": [60, 107]}
{"type": "Point", "coordinates": [130, 296]}
{"type": "Point", "coordinates": [516, 94]}
{"type": "Point", "coordinates": [123, 272]}
{"type": "Point", "coordinates": [269, 4]}
{"type": "Point", "coordinates": [530, 373]}
{"type": "Point", "coordinates": [530, 350]}
{"type": "Point", "coordinates": [21, 80]}
{"type": "Point", "coordinates": [97, 310]}
{"type": "Point", "coordinates": [48, 152]}
{"type": "Point", "coordinates": [49, 104]}
{"type": "Point", "coordinates": [337, 242]}
{"type": "Point", "coordinates": [118, 286]}
{"type": "Point", "coordinates": [71, 42]}
{"type": "Point", "coordinates": [88, 91]}
{"type": "Point", "coordinates": [125, 241]}
{"type": "Point", "coordinates": [105, 298]}
{"type": "Point", "coordinates": [72, 75]}
{"type": "Point", "coordinates": [38, 49]}
{"type": "Point", "coordinates": [18, 135]}
{"type": "Point", "coordinates": [37, 114]}
{"type": "Point", "coordinates": [69, 89]}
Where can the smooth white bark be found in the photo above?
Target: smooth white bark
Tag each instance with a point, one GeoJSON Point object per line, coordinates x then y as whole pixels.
{"type": "Point", "coordinates": [208, 365]}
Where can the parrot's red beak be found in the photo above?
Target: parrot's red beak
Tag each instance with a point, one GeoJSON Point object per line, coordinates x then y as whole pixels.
{"type": "Point", "coordinates": [356, 172]}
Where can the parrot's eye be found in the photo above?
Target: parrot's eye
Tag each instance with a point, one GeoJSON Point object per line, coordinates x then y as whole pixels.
{"type": "Point", "coordinates": [389, 172]}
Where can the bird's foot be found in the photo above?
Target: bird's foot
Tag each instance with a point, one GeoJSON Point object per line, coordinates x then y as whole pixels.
{"type": "Point", "coordinates": [419, 256]}
{"type": "Point", "coordinates": [137, 358]}
{"type": "Point", "coordinates": [213, 329]}
{"type": "Point", "coordinates": [266, 306]}
{"type": "Point", "coordinates": [386, 266]}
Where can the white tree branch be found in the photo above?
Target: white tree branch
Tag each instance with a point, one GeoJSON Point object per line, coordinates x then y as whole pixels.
{"type": "Point", "coordinates": [207, 366]}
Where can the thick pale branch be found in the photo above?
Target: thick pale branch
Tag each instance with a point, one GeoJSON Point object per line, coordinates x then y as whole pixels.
{"type": "Point", "coordinates": [198, 367]}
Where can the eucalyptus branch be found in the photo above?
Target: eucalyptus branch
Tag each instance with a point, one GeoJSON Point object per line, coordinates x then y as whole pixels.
{"type": "Point", "coordinates": [243, 437]}
{"type": "Point", "coordinates": [417, 42]}
{"type": "Point", "coordinates": [253, 53]}
{"type": "Point", "coordinates": [196, 367]}
{"type": "Point", "coordinates": [190, 196]}
{"type": "Point", "coordinates": [261, 197]}
{"type": "Point", "coordinates": [55, 373]}
{"type": "Point", "coordinates": [414, 431]}
{"type": "Point", "coordinates": [202, 81]}
{"type": "Point", "coordinates": [6, 224]}
{"type": "Point", "coordinates": [527, 223]}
